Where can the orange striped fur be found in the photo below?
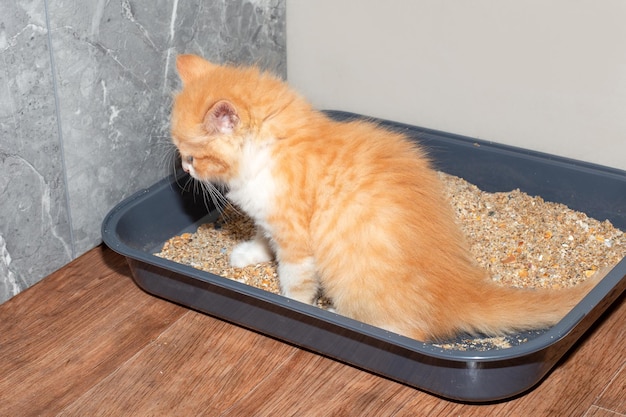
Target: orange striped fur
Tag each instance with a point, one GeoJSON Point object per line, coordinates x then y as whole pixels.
{"type": "Point", "coordinates": [347, 208]}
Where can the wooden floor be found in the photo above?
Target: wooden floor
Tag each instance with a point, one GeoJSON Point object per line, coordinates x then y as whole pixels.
{"type": "Point", "coordinates": [86, 341]}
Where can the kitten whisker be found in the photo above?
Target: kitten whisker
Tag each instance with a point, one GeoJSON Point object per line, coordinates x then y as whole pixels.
{"type": "Point", "coordinates": [216, 195]}
{"type": "Point", "coordinates": [168, 151]}
{"type": "Point", "coordinates": [212, 195]}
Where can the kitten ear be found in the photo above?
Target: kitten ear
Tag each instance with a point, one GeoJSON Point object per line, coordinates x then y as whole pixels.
{"type": "Point", "coordinates": [190, 67]}
{"type": "Point", "coordinates": [221, 118]}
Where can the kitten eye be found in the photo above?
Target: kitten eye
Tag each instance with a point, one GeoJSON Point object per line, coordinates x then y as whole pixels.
{"type": "Point", "coordinates": [189, 159]}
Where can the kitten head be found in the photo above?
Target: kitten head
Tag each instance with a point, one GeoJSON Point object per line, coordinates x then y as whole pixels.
{"type": "Point", "coordinates": [218, 111]}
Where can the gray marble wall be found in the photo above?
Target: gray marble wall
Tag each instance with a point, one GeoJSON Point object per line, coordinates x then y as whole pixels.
{"type": "Point", "coordinates": [85, 91]}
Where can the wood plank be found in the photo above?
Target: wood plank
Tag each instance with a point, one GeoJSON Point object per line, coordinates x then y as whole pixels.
{"type": "Point", "coordinates": [312, 385]}
{"type": "Point", "coordinates": [60, 337]}
{"type": "Point", "coordinates": [87, 341]}
{"type": "Point", "coordinates": [614, 395]}
{"type": "Point", "coordinates": [595, 411]}
{"type": "Point", "coordinates": [199, 366]}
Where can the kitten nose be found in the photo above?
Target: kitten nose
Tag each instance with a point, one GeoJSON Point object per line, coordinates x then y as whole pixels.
{"type": "Point", "coordinates": [187, 162]}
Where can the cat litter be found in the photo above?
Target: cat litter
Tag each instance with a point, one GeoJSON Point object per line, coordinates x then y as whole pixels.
{"type": "Point", "coordinates": [559, 250]}
{"type": "Point", "coordinates": [523, 241]}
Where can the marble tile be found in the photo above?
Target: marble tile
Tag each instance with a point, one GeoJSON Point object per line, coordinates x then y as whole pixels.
{"type": "Point", "coordinates": [115, 78]}
{"type": "Point", "coordinates": [249, 32]}
{"type": "Point", "coordinates": [35, 237]}
{"type": "Point", "coordinates": [81, 131]}
{"type": "Point", "coordinates": [112, 104]}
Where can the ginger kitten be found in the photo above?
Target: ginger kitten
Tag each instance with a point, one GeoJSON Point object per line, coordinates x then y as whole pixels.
{"type": "Point", "coordinates": [347, 208]}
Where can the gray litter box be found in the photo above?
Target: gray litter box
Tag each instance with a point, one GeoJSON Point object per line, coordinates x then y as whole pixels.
{"type": "Point", "coordinates": [139, 225]}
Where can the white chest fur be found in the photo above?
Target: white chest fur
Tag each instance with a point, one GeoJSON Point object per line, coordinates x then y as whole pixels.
{"type": "Point", "coordinates": [254, 189]}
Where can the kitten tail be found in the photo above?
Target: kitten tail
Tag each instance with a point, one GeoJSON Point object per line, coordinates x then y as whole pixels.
{"type": "Point", "coordinates": [498, 310]}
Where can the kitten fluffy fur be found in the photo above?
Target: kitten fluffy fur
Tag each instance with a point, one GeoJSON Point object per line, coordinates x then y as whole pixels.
{"type": "Point", "coordinates": [347, 208]}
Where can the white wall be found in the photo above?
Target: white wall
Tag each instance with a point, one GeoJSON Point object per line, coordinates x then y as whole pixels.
{"type": "Point", "coordinates": [544, 75]}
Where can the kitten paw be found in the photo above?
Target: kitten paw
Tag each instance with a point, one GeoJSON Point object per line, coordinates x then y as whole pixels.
{"type": "Point", "coordinates": [251, 252]}
{"type": "Point", "coordinates": [299, 281]}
